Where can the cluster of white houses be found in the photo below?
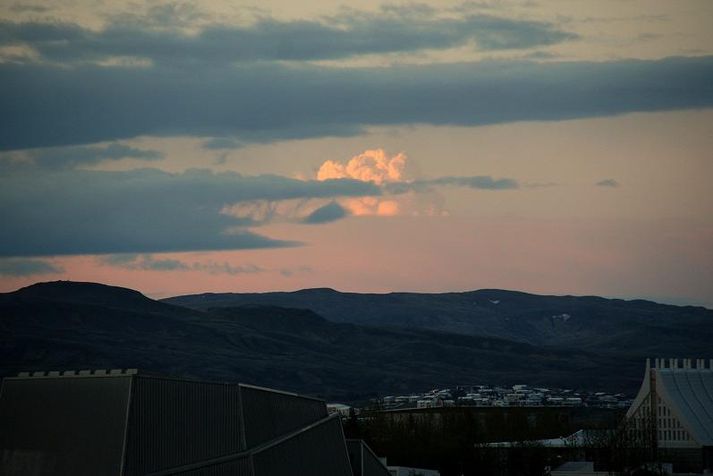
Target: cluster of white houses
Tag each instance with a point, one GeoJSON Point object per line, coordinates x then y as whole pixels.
{"type": "Point", "coordinates": [520, 395]}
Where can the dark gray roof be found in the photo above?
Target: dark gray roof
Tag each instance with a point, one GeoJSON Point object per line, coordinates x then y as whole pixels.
{"type": "Point", "coordinates": [124, 423]}
{"type": "Point", "coordinates": [364, 460]}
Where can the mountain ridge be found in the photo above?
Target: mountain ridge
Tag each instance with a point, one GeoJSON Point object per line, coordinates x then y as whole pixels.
{"type": "Point", "coordinates": [572, 321]}
{"type": "Point", "coordinates": [60, 326]}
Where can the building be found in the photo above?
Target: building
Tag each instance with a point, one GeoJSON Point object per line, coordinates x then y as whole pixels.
{"type": "Point", "coordinates": [675, 407]}
{"type": "Point", "coordinates": [366, 463]}
{"type": "Point", "coordinates": [126, 423]}
{"type": "Point", "coordinates": [364, 460]}
{"type": "Point", "coordinates": [404, 471]}
{"type": "Point", "coordinates": [577, 468]}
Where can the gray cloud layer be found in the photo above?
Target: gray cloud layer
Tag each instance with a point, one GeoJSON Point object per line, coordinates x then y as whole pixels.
{"type": "Point", "coordinates": [18, 267]}
{"type": "Point", "coordinates": [142, 211]}
{"type": "Point", "coordinates": [49, 212]}
{"type": "Point", "coordinates": [325, 214]}
{"type": "Point", "coordinates": [68, 157]}
{"type": "Point", "coordinates": [45, 106]}
{"type": "Point", "coordinates": [147, 262]}
{"type": "Point", "coordinates": [268, 39]}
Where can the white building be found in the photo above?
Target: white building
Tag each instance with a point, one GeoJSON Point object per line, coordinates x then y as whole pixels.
{"type": "Point", "coordinates": [675, 403]}
{"type": "Point", "coordinates": [404, 471]}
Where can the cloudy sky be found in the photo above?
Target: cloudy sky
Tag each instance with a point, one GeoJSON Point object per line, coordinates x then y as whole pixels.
{"type": "Point", "coordinates": [547, 146]}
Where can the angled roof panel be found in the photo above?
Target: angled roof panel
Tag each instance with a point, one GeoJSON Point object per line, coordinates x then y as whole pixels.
{"type": "Point", "coordinates": [318, 450]}
{"type": "Point", "coordinates": [63, 425]}
{"type": "Point", "coordinates": [177, 422]}
{"type": "Point", "coordinates": [269, 413]}
{"type": "Point", "coordinates": [686, 392]}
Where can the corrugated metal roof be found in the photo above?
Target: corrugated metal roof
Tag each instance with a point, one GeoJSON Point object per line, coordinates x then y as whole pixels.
{"type": "Point", "coordinates": [122, 423]}
{"type": "Point", "coordinates": [271, 414]}
{"type": "Point", "coordinates": [58, 425]}
{"type": "Point", "coordinates": [318, 451]}
{"type": "Point", "coordinates": [176, 422]}
{"type": "Point", "coordinates": [364, 460]}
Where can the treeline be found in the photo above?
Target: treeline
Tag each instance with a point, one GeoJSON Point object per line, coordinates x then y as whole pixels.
{"type": "Point", "coordinates": [457, 441]}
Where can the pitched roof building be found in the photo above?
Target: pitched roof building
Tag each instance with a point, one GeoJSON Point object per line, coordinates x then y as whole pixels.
{"type": "Point", "coordinates": [126, 423]}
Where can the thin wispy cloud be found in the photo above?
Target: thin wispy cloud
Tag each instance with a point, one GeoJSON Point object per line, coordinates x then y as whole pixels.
{"type": "Point", "coordinates": [221, 143]}
{"type": "Point", "coordinates": [148, 262]}
{"type": "Point", "coordinates": [19, 267]}
{"type": "Point", "coordinates": [611, 183]}
{"type": "Point", "coordinates": [67, 157]}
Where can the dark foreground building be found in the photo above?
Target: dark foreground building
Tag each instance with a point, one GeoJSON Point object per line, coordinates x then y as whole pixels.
{"type": "Point", "coordinates": [126, 423]}
{"type": "Point", "coordinates": [364, 461]}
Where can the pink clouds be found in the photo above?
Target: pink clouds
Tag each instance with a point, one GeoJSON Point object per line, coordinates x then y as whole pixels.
{"type": "Point", "coordinates": [372, 165]}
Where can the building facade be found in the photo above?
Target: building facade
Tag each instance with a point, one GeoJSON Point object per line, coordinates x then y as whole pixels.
{"type": "Point", "coordinates": [674, 411]}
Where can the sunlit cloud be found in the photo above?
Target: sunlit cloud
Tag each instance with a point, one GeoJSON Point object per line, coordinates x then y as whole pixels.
{"type": "Point", "coordinates": [401, 194]}
{"type": "Point", "coordinates": [372, 165]}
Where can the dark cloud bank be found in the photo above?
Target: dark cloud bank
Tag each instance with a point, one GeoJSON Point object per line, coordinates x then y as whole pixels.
{"type": "Point", "coordinates": [142, 211]}
{"type": "Point", "coordinates": [353, 34]}
{"type": "Point", "coordinates": [230, 83]}
{"type": "Point", "coordinates": [44, 106]}
{"type": "Point", "coordinates": [51, 211]}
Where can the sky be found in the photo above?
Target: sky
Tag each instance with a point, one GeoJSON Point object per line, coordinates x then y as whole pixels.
{"type": "Point", "coordinates": [553, 147]}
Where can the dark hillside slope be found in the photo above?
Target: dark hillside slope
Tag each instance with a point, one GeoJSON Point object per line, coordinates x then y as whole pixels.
{"type": "Point", "coordinates": [82, 326]}
{"type": "Point", "coordinates": [601, 325]}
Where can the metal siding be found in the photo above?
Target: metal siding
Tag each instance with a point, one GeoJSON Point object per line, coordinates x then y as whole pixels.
{"type": "Point", "coordinates": [176, 422]}
{"type": "Point", "coordinates": [269, 415]}
{"type": "Point", "coordinates": [372, 465]}
{"type": "Point", "coordinates": [239, 467]}
{"type": "Point", "coordinates": [318, 451]}
{"type": "Point", "coordinates": [354, 447]}
{"type": "Point", "coordinates": [63, 425]}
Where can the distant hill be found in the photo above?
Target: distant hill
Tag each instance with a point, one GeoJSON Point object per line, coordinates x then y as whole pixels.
{"type": "Point", "coordinates": [65, 325]}
{"type": "Point", "coordinates": [615, 326]}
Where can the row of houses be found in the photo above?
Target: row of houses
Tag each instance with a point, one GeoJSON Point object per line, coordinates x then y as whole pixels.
{"type": "Point", "coordinates": [497, 396]}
